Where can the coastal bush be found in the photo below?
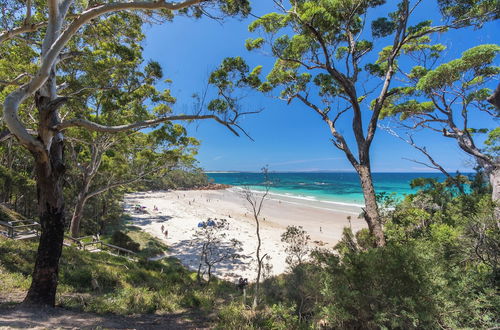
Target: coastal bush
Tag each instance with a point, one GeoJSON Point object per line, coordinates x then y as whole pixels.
{"type": "Point", "coordinates": [297, 241]}
{"type": "Point", "coordinates": [148, 246]}
{"type": "Point", "coordinates": [234, 316]}
{"type": "Point", "coordinates": [438, 270]}
{"type": "Point", "coordinates": [276, 317]}
{"type": "Point", "coordinates": [413, 285]}
{"type": "Point", "coordinates": [123, 240]}
{"type": "Point", "coordinates": [386, 287]}
{"type": "Point", "coordinates": [187, 178]}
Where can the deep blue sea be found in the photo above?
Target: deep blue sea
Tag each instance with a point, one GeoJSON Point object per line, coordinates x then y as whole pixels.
{"type": "Point", "coordinates": [335, 187]}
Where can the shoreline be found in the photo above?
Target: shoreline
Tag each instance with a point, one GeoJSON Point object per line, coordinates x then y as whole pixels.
{"type": "Point", "coordinates": [180, 212]}
{"type": "Point", "coordinates": [311, 201]}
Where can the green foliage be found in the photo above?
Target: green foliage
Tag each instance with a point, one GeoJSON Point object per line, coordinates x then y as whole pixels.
{"type": "Point", "coordinates": [276, 317]}
{"type": "Point", "coordinates": [232, 74]}
{"type": "Point", "coordinates": [149, 246]}
{"type": "Point", "coordinates": [408, 108]}
{"type": "Point", "coordinates": [475, 59]}
{"type": "Point", "coordinates": [8, 215]}
{"type": "Point", "coordinates": [101, 283]}
{"type": "Point", "coordinates": [297, 241]}
{"type": "Point", "coordinates": [123, 240]}
{"type": "Point", "coordinates": [441, 98]}
{"type": "Point", "coordinates": [470, 12]}
{"type": "Point", "coordinates": [493, 141]}
{"type": "Point", "coordinates": [182, 178]}
{"type": "Point", "coordinates": [251, 44]}
{"type": "Point", "coordinates": [269, 23]}
{"type": "Point", "coordinates": [235, 7]}
{"type": "Point", "coordinates": [382, 27]}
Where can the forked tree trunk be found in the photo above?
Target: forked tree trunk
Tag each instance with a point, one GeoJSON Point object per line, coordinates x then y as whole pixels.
{"type": "Point", "coordinates": [77, 214]}
{"type": "Point", "coordinates": [49, 169]}
{"type": "Point", "coordinates": [372, 215]}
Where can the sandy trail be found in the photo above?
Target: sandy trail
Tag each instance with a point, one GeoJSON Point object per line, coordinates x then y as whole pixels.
{"type": "Point", "coordinates": [181, 211]}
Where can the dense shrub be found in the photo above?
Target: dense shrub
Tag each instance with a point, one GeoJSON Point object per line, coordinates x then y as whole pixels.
{"type": "Point", "coordinates": [438, 270]}
{"type": "Point", "coordinates": [123, 240]}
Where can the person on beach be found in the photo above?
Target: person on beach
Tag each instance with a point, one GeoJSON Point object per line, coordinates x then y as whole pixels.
{"type": "Point", "coordinates": [155, 208]}
{"type": "Point", "coordinates": [166, 233]}
{"type": "Point", "coordinates": [242, 283]}
{"type": "Point", "coordinates": [320, 229]}
{"type": "Point", "coordinates": [162, 228]}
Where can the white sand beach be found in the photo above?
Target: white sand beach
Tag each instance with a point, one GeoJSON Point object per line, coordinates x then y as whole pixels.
{"type": "Point", "coordinates": [181, 211]}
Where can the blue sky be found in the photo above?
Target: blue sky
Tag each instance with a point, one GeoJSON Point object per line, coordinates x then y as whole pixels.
{"type": "Point", "coordinates": [287, 137]}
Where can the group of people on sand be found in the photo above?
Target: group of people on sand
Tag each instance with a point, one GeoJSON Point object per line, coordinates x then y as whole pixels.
{"type": "Point", "coordinates": [139, 208]}
{"type": "Point", "coordinates": [142, 209]}
{"type": "Point", "coordinates": [209, 223]}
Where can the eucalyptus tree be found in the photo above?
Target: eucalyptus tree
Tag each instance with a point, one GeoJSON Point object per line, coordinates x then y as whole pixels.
{"type": "Point", "coordinates": [109, 83]}
{"type": "Point", "coordinates": [62, 20]}
{"type": "Point", "coordinates": [442, 98]}
{"type": "Point", "coordinates": [327, 61]}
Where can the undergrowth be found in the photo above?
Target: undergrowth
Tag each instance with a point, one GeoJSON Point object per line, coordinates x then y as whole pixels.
{"type": "Point", "coordinates": [103, 283]}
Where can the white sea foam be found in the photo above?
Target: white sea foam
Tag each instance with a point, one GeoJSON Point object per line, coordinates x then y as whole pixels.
{"type": "Point", "coordinates": [304, 198]}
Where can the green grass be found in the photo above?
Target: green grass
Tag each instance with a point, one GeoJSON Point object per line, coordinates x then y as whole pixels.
{"type": "Point", "coordinates": [150, 246]}
{"type": "Point", "coordinates": [102, 283]}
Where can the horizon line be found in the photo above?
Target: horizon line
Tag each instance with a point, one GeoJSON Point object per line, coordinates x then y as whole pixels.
{"type": "Point", "coordinates": [336, 171]}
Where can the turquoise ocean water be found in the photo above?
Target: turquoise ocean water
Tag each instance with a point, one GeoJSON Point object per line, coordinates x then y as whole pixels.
{"type": "Point", "coordinates": [333, 187]}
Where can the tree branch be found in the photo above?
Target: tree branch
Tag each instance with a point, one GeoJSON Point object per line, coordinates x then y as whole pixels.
{"type": "Point", "coordinates": [13, 100]}
{"type": "Point", "coordinates": [399, 40]}
{"type": "Point", "coordinates": [16, 80]}
{"type": "Point", "coordinates": [6, 35]}
{"type": "Point", "coordinates": [120, 183]}
{"type": "Point", "coordinates": [143, 124]}
{"type": "Point", "coordinates": [340, 143]}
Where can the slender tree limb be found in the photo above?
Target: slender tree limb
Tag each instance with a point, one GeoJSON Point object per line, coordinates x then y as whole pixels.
{"type": "Point", "coordinates": [341, 142]}
{"type": "Point", "coordinates": [122, 183]}
{"type": "Point", "coordinates": [139, 125]}
{"type": "Point", "coordinates": [16, 80]}
{"type": "Point", "coordinates": [7, 35]}
{"type": "Point", "coordinates": [435, 165]}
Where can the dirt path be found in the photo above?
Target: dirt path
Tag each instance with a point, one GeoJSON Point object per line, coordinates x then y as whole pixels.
{"type": "Point", "coordinates": [60, 318]}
